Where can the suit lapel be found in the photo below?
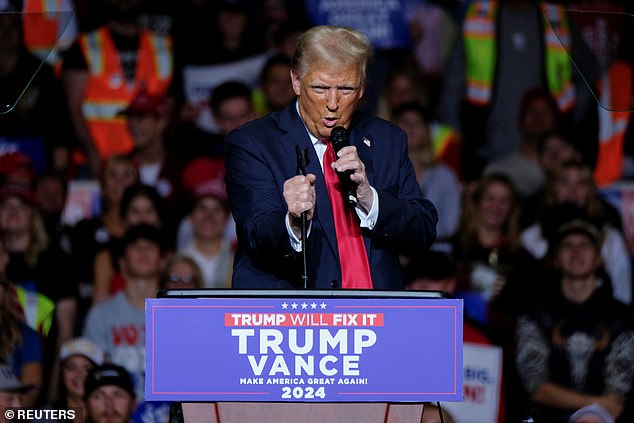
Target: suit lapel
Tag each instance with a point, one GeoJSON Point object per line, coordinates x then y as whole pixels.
{"type": "Point", "coordinates": [297, 135]}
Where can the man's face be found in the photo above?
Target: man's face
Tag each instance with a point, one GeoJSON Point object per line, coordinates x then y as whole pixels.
{"type": "Point", "coordinates": [577, 257]}
{"type": "Point", "coordinates": [141, 259]}
{"type": "Point", "coordinates": [146, 129]}
{"type": "Point", "coordinates": [233, 113]}
{"type": "Point", "coordinates": [327, 97]}
{"type": "Point", "coordinates": [110, 404]}
{"type": "Point", "coordinates": [277, 88]}
{"type": "Point", "coordinates": [209, 218]}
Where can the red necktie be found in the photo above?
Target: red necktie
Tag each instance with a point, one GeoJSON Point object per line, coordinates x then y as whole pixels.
{"type": "Point", "coordinates": [355, 269]}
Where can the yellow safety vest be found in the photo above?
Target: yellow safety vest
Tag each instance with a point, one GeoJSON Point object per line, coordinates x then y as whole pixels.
{"type": "Point", "coordinates": [481, 49]}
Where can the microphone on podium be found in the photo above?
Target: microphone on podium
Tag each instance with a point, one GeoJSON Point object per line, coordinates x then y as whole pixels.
{"type": "Point", "coordinates": [339, 139]}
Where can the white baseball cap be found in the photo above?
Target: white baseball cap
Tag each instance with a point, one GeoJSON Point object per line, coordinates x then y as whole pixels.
{"type": "Point", "coordinates": [84, 347]}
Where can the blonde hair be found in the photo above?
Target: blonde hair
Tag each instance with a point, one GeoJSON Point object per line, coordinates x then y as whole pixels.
{"type": "Point", "coordinates": [468, 227]}
{"type": "Point", "coordinates": [334, 46]}
{"type": "Point", "coordinates": [10, 335]}
{"type": "Point", "coordinates": [38, 242]}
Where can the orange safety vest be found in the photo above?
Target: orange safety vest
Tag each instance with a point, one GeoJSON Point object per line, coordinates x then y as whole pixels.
{"type": "Point", "coordinates": [108, 92]}
{"type": "Point", "coordinates": [615, 89]}
{"type": "Point", "coordinates": [44, 21]}
{"type": "Point", "coordinates": [479, 32]}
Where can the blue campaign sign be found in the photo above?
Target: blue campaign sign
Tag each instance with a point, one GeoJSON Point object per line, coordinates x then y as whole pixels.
{"type": "Point", "coordinates": [304, 349]}
{"type": "Point", "coordinates": [385, 22]}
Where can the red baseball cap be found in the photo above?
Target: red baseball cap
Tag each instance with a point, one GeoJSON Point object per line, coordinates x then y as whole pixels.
{"type": "Point", "coordinates": [15, 162]}
{"type": "Point", "coordinates": [145, 103]}
{"type": "Point", "coordinates": [19, 190]}
{"type": "Point", "coordinates": [205, 177]}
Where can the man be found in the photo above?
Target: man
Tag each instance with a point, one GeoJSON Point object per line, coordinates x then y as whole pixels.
{"type": "Point", "coordinates": [160, 165]}
{"type": "Point", "coordinates": [104, 69]}
{"type": "Point", "coordinates": [574, 347]}
{"type": "Point", "coordinates": [538, 115]}
{"type": "Point", "coordinates": [11, 391]}
{"type": "Point", "coordinates": [117, 325]}
{"type": "Point", "coordinates": [109, 395]}
{"type": "Point", "coordinates": [328, 76]}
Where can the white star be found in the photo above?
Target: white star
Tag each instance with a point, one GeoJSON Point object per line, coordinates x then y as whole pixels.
{"type": "Point", "coordinates": [284, 306]}
{"type": "Point", "coordinates": [322, 305]}
{"type": "Point", "coordinates": [294, 306]}
{"type": "Point", "coordinates": [313, 306]}
{"type": "Point", "coordinates": [304, 306]}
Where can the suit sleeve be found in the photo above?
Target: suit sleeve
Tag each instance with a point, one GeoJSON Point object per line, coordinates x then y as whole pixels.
{"type": "Point", "coordinates": [257, 202]}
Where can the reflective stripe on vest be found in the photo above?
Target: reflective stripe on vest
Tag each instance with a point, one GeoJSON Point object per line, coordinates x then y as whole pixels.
{"type": "Point", "coordinates": [558, 66]}
{"type": "Point", "coordinates": [481, 52]}
{"type": "Point", "coordinates": [614, 116]}
{"type": "Point", "coordinates": [108, 92]}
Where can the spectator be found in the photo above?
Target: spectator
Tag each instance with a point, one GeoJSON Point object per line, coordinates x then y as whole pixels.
{"type": "Point", "coordinates": [274, 90]}
{"type": "Point", "coordinates": [20, 346]}
{"type": "Point", "coordinates": [38, 268]}
{"type": "Point", "coordinates": [50, 194]}
{"type": "Point", "coordinates": [232, 105]}
{"type": "Point", "coordinates": [487, 245]}
{"type": "Point", "coordinates": [554, 149]}
{"type": "Point", "coordinates": [78, 356]}
{"type": "Point", "coordinates": [91, 235]}
{"type": "Point", "coordinates": [110, 395]}
{"type": "Point", "coordinates": [574, 347]}
{"type": "Point", "coordinates": [117, 325]}
{"type": "Point", "coordinates": [538, 114]}
{"type": "Point", "coordinates": [402, 85]}
{"type": "Point", "coordinates": [209, 247]}
{"type": "Point", "coordinates": [139, 204]}
{"type": "Point", "coordinates": [104, 69]}
{"type": "Point", "coordinates": [11, 391]}
{"type": "Point", "coordinates": [181, 272]}
{"type": "Point", "coordinates": [148, 123]}
{"type": "Point", "coordinates": [438, 182]}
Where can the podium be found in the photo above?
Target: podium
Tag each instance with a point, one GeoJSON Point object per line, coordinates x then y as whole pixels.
{"type": "Point", "coordinates": [303, 356]}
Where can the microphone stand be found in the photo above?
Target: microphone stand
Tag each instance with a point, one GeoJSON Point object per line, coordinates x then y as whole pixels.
{"type": "Point", "coordinates": [302, 162]}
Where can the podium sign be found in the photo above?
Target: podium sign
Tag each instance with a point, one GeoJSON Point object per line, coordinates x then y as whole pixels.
{"type": "Point", "coordinates": [303, 349]}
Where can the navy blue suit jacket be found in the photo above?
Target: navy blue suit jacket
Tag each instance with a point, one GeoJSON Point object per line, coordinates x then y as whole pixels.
{"type": "Point", "coordinates": [261, 155]}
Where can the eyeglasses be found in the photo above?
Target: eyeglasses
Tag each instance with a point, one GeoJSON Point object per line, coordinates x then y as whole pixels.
{"type": "Point", "coordinates": [186, 279]}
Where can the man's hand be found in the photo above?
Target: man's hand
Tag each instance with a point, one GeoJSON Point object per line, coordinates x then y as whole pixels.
{"type": "Point", "coordinates": [348, 159]}
{"type": "Point", "coordinates": [299, 193]}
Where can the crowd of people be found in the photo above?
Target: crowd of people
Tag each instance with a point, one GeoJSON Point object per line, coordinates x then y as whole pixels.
{"type": "Point", "coordinates": [508, 127]}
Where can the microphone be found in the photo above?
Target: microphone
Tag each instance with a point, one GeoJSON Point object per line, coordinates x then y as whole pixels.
{"type": "Point", "coordinates": [339, 140]}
